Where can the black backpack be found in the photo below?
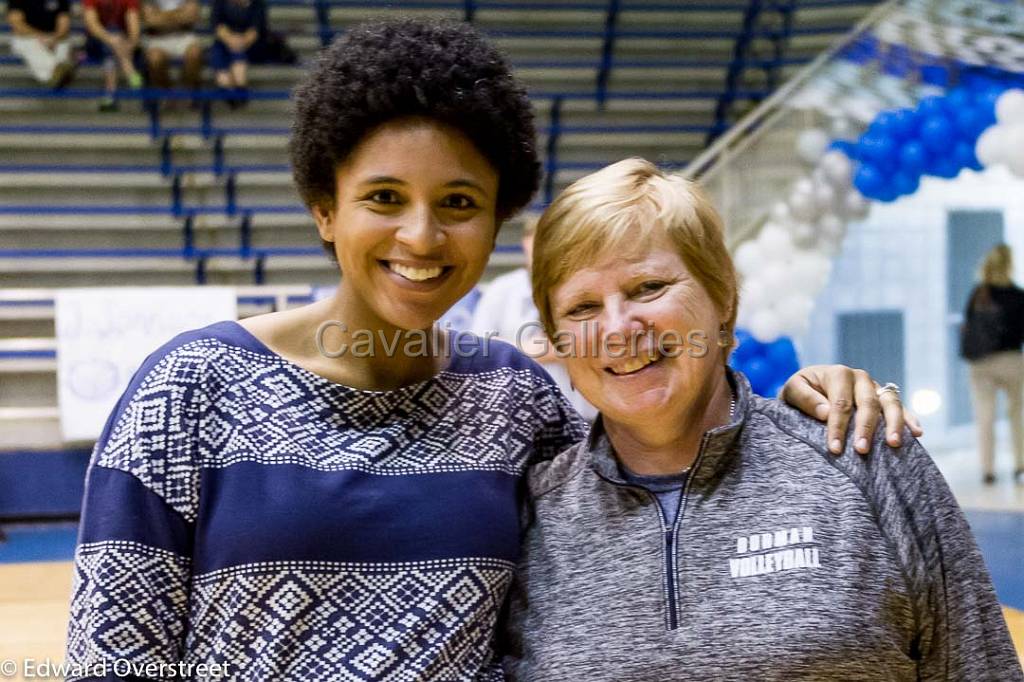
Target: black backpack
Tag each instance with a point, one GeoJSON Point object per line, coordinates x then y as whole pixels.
{"type": "Point", "coordinates": [984, 328]}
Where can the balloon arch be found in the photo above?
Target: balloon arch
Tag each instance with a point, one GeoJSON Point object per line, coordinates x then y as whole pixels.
{"type": "Point", "coordinates": [976, 125]}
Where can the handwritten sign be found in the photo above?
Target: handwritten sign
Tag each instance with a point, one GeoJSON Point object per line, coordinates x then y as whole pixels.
{"type": "Point", "coordinates": [103, 336]}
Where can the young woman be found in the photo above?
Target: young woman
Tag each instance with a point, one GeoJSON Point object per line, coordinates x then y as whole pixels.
{"type": "Point", "coordinates": [331, 492]}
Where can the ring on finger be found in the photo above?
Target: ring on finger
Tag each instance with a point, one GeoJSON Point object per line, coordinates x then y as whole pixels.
{"type": "Point", "coordinates": [888, 388]}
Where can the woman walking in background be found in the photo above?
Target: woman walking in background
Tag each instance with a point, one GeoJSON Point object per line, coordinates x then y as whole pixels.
{"type": "Point", "coordinates": [991, 341]}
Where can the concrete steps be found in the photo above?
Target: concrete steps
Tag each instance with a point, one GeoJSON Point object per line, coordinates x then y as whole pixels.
{"type": "Point", "coordinates": [677, 49]}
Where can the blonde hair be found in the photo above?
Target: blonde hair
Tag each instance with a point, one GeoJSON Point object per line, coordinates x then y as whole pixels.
{"type": "Point", "coordinates": [997, 268]}
{"type": "Point", "coordinates": [618, 210]}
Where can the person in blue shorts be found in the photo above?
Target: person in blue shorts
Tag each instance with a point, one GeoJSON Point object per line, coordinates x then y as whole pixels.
{"type": "Point", "coordinates": [237, 26]}
{"type": "Point", "coordinates": [332, 492]}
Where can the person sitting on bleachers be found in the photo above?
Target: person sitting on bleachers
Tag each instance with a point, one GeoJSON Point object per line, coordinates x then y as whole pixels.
{"type": "Point", "coordinates": [113, 29]}
{"type": "Point", "coordinates": [41, 29]}
{"type": "Point", "coordinates": [237, 25]}
{"type": "Point", "coordinates": [170, 34]}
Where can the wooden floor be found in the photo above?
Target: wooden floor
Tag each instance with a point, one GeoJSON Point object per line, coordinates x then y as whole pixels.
{"type": "Point", "coordinates": [34, 609]}
{"type": "Point", "coordinates": [34, 602]}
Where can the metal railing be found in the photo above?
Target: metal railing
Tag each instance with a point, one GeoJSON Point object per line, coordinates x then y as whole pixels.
{"type": "Point", "coordinates": [743, 197]}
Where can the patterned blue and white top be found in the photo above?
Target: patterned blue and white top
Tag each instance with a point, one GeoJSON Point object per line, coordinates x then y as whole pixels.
{"type": "Point", "coordinates": [242, 510]}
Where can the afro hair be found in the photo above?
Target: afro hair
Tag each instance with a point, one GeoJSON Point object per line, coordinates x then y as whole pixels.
{"type": "Point", "coordinates": [383, 70]}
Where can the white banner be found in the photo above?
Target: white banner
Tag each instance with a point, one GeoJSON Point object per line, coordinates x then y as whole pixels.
{"type": "Point", "coordinates": [103, 335]}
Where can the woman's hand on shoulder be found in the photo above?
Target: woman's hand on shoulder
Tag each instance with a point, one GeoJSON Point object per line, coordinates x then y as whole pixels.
{"type": "Point", "coordinates": [832, 392]}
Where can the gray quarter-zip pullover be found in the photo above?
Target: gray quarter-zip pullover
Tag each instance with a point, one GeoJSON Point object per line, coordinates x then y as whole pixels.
{"type": "Point", "coordinates": [783, 562]}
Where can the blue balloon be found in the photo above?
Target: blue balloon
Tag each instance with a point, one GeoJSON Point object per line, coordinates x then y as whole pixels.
{"type": "Point", "coordinates": [775, 389]}
{"type": "Point", "coordinates": [747, 348]}
{"type": "Point", "coordinates": [887, 192]}
{"type": "Point", "coordinates": [957, 99]}
{"type": "Point", "coordinates": [933, 74]}
{"type": "Point", "coordinates": [760, 375]}
{"type": "Point", "coordinates": [846, 147]}
{"type": "Point", "coordinates": [904, 124]}
{"type": "Point", "coordinates": [913, 157]}
{"type": "Point", "coordinates": [932, 106]}
{"type": "Point", "coordinates": [880, 150]}
{"type": "Point", "coordinates": [986, 104]}
{"type": "Point", "coordinates": [905, 183]}
{"type": "Point", "coordinates": [944, 166]}
{"type": "Point", "coordinates": [937, 133]}
{"type": "Point", "coordinates": [868, 180]}
{"type": "Point", "coordinates": [977, 82]}
{"type": "Point", "coordinates": [781, 354]}
{"type": "Point", "coordinates": [970, 122]}
{"type": "Point", "coordinates": [963, 155]}
{"type": "Point", "coordinates": [884, 124]}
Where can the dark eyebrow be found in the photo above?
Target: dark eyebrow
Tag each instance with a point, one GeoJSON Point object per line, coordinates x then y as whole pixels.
{"type": "Point", "coordinates": [462, 182]}
{"type": "Point", "coordinates": [383, 180]}
{"type": "Point", "coordinates": [388, 180]}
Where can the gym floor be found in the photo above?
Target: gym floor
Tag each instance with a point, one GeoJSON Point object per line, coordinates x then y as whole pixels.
{"type": "Point", "coordinates": [35, 567]}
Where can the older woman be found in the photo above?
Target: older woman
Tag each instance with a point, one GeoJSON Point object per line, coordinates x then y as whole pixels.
{"type": "Point", "coordinates": [701, 532]}
{"type": "Point", "coordinates": [267, 503]}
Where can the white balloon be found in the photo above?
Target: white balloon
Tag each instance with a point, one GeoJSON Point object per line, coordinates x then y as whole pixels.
{"type": "Point", "coordinates": [830, 248]}
{"type": "Point", "coordinates": [748, 257]}
{"type": "Point", "coordinates": [805, 269]}
{"type": "Point", "coordinates": [811, 144]}
{"type": "Point", "coordinates": [765, 325]}
{"type": "Point", "coordinates": [824, 196]}
{"type": "Point", "coordinates": [842, 128]}
{"type": "Point", "coordinates": [803, 234]}
{"type": "Point", "coordinates": [794, 311]}
{"type": "Point", "coordinates": [1016, 163]}
{"type": "Point", "coordinates": [838, 169]}
{"type": "Point", "coordinates": [775, 278]}
{"type": "Point", "coordinates": [774, 242]}
{"type": "Point", "coordinates": [1013, 151]}
{"type": "Point", "coordinates": [780, 213]}
{"type": "Point", "coordinates": [861, 111]}
{"type": "Point", "coordinates": [831, 228]}
{"type": "Point", "coordinates": [1010, 107]}
{"type": "Point", "coordinates": [752, 295]}
{"type": "Point", "coordinates": [801, 202]}
{"type": "Point", "coordinates": [797, 328]}
{"type": "Point", "coordinates": [991, 146]}
{"type": "Point", "coordinates": [803, 186]}
{"type": "Point", "coordinates": [855, 206]}
{"type": "Point", "coordinates": [743, 315]}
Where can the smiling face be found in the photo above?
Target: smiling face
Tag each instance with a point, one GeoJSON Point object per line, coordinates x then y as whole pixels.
{"type": "Point", "coordinates": [413, 223]}
{"type": "Point", "coordinates": [652, 295]}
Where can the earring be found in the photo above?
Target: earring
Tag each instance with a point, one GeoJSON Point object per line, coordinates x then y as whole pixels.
{"type": "Point", "coordinates": [725, 338]}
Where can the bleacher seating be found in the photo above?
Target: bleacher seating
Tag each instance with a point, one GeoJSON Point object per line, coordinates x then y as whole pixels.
{"type": "Point", "coordinates": [157, 196]}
